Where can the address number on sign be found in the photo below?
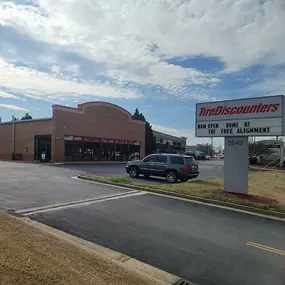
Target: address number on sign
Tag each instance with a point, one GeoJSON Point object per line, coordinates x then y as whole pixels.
{"type": "Point", "coordinates": [235, 142]}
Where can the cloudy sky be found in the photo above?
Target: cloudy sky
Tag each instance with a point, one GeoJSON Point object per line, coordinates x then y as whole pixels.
{"type": "Point", "coordinates": [162, 56]}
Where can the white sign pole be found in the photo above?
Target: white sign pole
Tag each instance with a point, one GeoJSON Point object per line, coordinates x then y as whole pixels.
{"type": "Point", "coordinates": [236, 165]}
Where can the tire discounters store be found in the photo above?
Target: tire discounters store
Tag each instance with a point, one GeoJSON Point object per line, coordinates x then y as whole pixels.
{"type": "Point", "coordinates": [94, 131]}
{"type": "Point", "coordinates": [236, 120]}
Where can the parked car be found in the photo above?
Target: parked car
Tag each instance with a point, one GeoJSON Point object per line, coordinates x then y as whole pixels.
{"type": "Point", "coordinates": [134, 156]}
{"type": "Point", "coordinates": [252, 159]}
{"type": "Point", "coordinates": [170, 166]}
{"type": "Point", "coordinates": [190, 153]}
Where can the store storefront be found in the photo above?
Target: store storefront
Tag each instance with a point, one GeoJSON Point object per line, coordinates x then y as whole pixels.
{"type": "Point", "coordinates": [100, 149]}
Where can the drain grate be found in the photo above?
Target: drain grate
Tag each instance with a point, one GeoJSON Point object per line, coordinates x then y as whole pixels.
{"type": "Point", "coordinates": [184, 282]}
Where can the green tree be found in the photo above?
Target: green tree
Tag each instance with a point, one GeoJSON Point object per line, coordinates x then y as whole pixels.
{"type": "Point", "coordinates": [150, 144]}
{"type": "Point", "coordinates": [258, 148]}
{"type": "Point", "coordinates": [138, 116]}
{"type": "Point", "coordinates": [206, 148]}
{"type": "Point", "coordinates": [26, 117]}
{"type": "Point", "coordinates": [149, 138]}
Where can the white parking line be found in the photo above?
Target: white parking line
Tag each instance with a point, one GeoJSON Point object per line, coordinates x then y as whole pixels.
{"type": "Point", "coordinates": [78, 203]}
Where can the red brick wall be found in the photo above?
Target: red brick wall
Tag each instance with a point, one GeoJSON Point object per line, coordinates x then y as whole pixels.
{"type": "Point", "coordinates": [25, 136]}
{"type": "Point", "coordinates": [6, 135]}
{"type": "Point", "coordinates": [94, 119]}
{"type": "Point", "coordinates": [25, 132]}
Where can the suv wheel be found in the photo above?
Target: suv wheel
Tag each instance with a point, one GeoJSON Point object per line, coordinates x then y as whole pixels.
{"type": "Point", "coordinates": [134, 173]}
{"type": "Point", "coordinates": [171, 176]}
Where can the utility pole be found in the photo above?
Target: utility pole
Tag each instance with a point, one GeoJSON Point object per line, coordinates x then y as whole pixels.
{"type": "Point", "coordinates": [13, 137]}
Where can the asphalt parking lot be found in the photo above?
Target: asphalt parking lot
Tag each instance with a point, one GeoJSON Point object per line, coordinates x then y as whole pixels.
{"type": "Point", "coordinates": [204, 244]}
{"type": "Point", "coordinates": [53, 183]}
{"type": "Point", "coordinates": [208, 169]}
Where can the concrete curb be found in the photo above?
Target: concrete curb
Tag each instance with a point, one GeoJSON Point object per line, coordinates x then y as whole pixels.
{"type": "Point", "coordinates": [128, 263]}
{"type": "Point", "coordinates": [191, 197]}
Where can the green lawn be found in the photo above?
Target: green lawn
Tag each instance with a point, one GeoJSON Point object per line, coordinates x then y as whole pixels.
{"type": "Point", "coordinates": [262, 185]}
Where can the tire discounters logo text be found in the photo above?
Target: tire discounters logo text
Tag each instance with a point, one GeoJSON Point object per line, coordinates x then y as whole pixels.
{"type": "Point", "coordinates": [249, 109]}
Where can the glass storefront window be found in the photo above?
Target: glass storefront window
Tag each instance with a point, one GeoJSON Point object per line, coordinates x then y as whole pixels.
{"type": "Point", "coordinates": [95, 149]}
{"type": "Point", "coordinates": [107, 149]}
{"type": "Point", "coordinates": [134, 151]}
{"type": "Point", "coordinates": [73, 150]}
{"type": "Point", "coordinates": [122, 150]}
{"type": "Point", "coordinates": [91, 151]}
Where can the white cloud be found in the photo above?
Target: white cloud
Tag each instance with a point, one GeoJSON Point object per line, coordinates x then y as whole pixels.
{"type": "Point", "coordinates": [13, 107]}
{"type": "Point", "coordinates": [125, 34]}
{"type": "Point", "coordinates": [42, 85]}
{"type": "Point", "coordinates": [5, 95]}
{"type": "Point", "coordinates": [271, 85]}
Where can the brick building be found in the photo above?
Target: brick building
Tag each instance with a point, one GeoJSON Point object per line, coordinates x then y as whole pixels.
{"type": "Point", "coordinates": [93, 131]}
{"type": "Point", "coordinates": [168, 143]}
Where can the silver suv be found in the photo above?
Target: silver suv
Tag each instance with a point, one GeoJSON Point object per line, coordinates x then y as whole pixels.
{"type": "Point", "coordinates": [170, 166]}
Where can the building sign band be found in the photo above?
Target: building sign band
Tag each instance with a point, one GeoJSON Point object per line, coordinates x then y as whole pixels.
{"type": "Point", "coordinates": [101, 140]}
{"type": "Point", "coordinates": [95, 140]}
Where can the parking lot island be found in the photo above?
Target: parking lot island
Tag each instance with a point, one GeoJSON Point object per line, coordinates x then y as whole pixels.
{"type": "Point", "coordinates": [266, 191]}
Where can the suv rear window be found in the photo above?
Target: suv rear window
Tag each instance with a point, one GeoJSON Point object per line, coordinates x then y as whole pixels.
{"type": "Point", "coordinates": [189, 160]}
{"type": "Point", "coordinates": [177, 160]}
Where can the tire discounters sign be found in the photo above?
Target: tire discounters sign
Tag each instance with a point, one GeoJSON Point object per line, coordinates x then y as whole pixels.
{"type": "Point", "coordinates": [262, 116]}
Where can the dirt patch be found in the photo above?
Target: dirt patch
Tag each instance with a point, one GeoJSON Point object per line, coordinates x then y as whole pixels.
{"type": "Point", "coordinates": [31, 256]}
{"type": "Point", "coordinates": [218, 194]}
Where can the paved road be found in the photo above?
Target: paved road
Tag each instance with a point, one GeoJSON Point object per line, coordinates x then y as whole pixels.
{"type": "Point", "coordinates": [203, 244]}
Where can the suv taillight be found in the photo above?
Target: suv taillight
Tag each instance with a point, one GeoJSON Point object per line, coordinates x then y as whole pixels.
{"type": "Point", "coordinates": [186, 168]}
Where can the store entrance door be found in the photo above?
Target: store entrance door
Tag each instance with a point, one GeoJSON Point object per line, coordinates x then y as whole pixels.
{"type": "Point", "coordinates": [43, 148]}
